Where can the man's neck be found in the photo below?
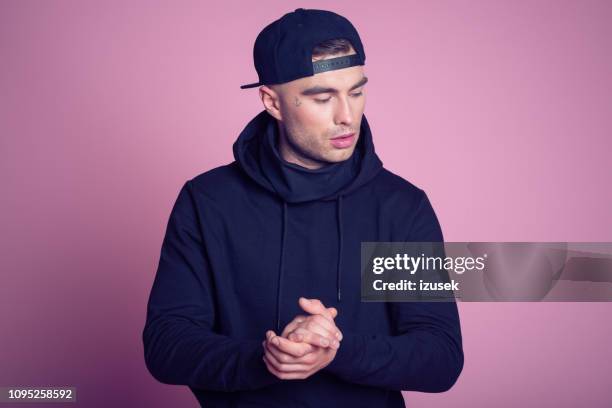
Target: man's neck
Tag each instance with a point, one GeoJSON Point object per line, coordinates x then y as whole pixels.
{"type": "Point", "coordinates": [290, 154]}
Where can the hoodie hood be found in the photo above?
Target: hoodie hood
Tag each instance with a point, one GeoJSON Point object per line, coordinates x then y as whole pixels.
{"type": "Point", "coordinates": [256, 152]}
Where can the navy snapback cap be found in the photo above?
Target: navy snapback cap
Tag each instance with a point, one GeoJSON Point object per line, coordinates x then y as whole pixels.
{"type": "Point", "coordinates": [283, 49]}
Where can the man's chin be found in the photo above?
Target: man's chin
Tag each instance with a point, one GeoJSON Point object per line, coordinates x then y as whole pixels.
{"type": "Point", "coordinates": [340, 155]}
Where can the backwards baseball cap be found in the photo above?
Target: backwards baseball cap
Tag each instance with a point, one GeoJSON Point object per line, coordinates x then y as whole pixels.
{"type": "Point", "coordinates": [283, 49]}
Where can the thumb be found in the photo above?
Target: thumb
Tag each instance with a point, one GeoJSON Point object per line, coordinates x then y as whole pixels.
{"type": "Point", "coordinates": [314, 306]}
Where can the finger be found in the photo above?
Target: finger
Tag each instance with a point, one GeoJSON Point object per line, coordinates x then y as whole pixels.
{"type": "Point", "coordinates": [314, 326]}
{"type": "Point", "coordinates": [270, 334]}
{"type": "Point", "coordinates": [317, 324]}
{"type": "Point", "coordinates": [326, 324]}
{"type": "Point", "coordinates": [314, 306]}
{"type": "Point", "coordinates": [333, 311]}
{"type": "Point", "coordinates": [331, 332]}
{"type": "Point", "coordinates": [292, 325]}
{"type": "Point", "coordinates": [286, 367]}
{"type": "Point", "coordinates": [334, 314]}
{"type": "Point", "coordinates": [315, 339]}
{"type": "Point", "coordinates": [308, 359]}
{"type": "Point", "coordinates": [283, 375]}
{"type": "Point", "coordinates": [290, 347]}
{"type": "Point", "coordinates": [281, 356]}
{"type": "Point", "coordinates": [296, 337]}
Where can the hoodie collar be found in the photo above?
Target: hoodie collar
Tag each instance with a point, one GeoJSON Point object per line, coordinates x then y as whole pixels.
{"type": "Point", "coordinates": [296, 183]}
{"type": "Point", "coordinates": [257, 153]}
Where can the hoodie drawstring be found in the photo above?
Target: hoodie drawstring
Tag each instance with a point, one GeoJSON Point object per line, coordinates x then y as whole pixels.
{"type": "Point", "coordinates": [339, 267]}
{"type": "Point", "coordinates": [280, 268]}
{"type": "Point", "coordinates": [282, 259]}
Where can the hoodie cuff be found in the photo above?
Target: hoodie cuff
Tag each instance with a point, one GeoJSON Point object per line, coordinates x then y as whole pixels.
{"type": "Point", "coordinates": [256, 374]}
{"type": "Point", "coordinates": [347, 356]}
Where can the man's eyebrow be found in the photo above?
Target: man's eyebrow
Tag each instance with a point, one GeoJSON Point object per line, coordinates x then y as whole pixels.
{"type": "Point", "coordinates": [319, 89]}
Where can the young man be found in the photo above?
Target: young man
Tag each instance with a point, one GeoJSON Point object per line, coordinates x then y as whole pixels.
{"type": "Point", "coordinates": [256, 301]}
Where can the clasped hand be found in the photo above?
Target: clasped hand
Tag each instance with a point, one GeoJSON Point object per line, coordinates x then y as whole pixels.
{"type": "Point", "coordinates": [306, 345]}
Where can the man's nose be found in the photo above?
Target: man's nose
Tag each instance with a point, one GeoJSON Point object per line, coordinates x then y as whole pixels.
{"type": "Point", "coordinates": [344, 113]}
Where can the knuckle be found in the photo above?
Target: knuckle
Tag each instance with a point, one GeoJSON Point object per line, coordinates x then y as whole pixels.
{"type": "Point", "coordinates": [319, 319]}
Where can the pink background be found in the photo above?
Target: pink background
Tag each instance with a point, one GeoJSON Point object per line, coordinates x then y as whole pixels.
{"type": "Point", "coordinates": [501, 111]}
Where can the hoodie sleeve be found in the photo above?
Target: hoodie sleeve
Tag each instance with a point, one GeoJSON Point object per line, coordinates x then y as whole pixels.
{"type": "Point", "coordinates": [426, 354]}
{"type": "Point", "coordinates": [180, 345]}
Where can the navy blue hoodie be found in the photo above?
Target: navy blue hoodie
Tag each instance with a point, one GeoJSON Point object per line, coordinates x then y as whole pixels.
{"type": "Point", "coordinates": [244, 241]}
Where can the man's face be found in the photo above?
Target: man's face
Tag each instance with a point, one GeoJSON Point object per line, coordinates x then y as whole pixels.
{"type": "Point", "coordinates": [314, 111]}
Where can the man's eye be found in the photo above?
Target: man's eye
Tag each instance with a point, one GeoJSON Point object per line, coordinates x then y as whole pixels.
{"type": "Point", "coordinates": [355, 95]}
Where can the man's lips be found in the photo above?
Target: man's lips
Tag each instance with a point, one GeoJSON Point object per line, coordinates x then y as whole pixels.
{"type": "Point", "coordinates": [343, 141]}
{"type": "Point", "coordinates": [343, 136]}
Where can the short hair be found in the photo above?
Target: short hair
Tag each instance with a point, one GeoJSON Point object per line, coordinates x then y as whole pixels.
{"type": "Point", "coordinates": [332, 47]}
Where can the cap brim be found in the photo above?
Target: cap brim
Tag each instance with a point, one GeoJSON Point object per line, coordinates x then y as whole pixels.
{"type": "Point", "coordinates": [250, 85]}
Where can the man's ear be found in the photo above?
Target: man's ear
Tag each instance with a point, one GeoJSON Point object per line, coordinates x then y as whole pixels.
{"type": "Point", "coordinates": [271, 101]}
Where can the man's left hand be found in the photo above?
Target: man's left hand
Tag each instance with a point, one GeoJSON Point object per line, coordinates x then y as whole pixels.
{"type": "Point", "coordinates": [289, 359]}
{"type": "Point", "coordinates": [287, 366]}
